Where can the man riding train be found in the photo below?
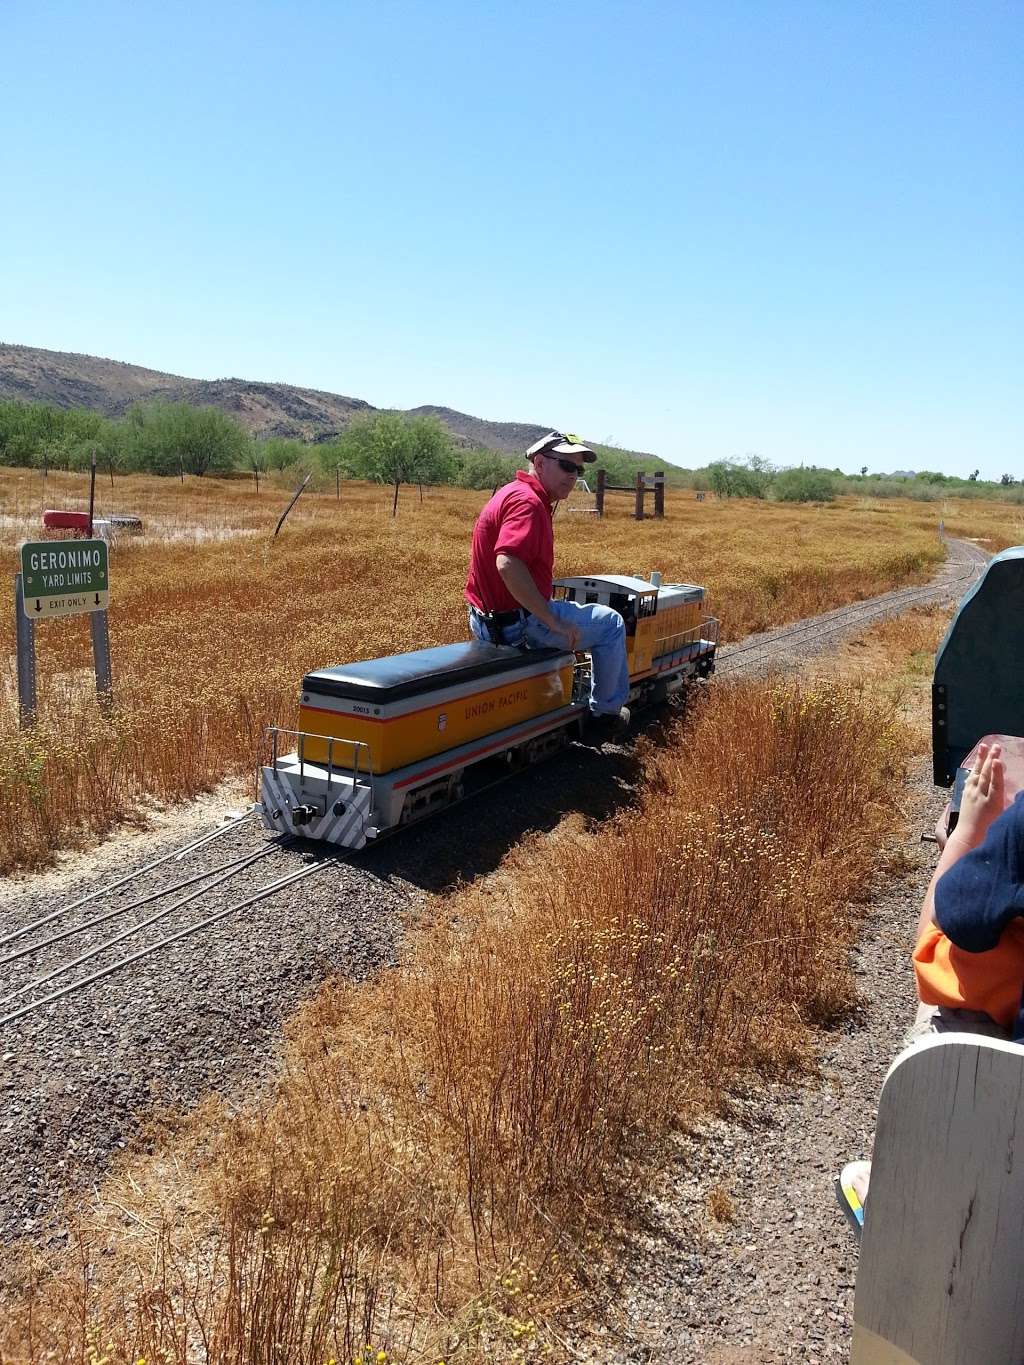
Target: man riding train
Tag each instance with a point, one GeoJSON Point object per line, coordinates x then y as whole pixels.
{"type": "Point", "coordinates": [511, 572]}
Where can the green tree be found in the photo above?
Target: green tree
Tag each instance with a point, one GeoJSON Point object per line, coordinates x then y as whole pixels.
{"type": "Point", "coordinates": [165, 437]}
{"type": "Point", "coordinates": [484, 468]}
{"type": "Point", "coordinates": [55, 438]}
{"type": "Point", "coordinates": [280, 452]}
{"type": "Point", "coordinates": [392, 449]}
{"type": "Point", "coordinates": [932, 476]}
{"type": "Point", "coordinates": [806, 484]}
{"type": "Point", "coordinates": [735, 479]}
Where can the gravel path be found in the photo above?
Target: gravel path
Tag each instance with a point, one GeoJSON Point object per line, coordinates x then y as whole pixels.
{"type": "Point", "coordinates": [205, 1015]}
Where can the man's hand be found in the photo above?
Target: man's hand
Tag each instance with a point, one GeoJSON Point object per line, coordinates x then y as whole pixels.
{"type": "Point", "coordinates": [571, 632]}
{"type": "Point", "coordinates": [516, 577]}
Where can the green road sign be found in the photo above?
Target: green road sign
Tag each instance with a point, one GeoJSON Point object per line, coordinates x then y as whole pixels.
{"type": "Point", "coordinates": [62, 577]}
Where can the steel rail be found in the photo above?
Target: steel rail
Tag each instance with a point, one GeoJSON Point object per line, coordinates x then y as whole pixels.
{"type": "Point", "coordinates": [136, 929]}
{"type": "Point", "coordinates": [177, 853]}
{"type": "Point", "coordinates": [262, 894]}
{"type": "Point", "coordinates": [123, 909]}
{"type": "Point", "coordinates": [853, 617]}
{"type": "Point", "coordinates": [817, 631]}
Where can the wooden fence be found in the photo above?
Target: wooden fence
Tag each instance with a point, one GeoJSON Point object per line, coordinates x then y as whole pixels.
{"type": "Point", "coordinates": [655, 482]}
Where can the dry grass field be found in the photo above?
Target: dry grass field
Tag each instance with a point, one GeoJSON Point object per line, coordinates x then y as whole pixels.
{"type": "Point", "coordinates": [213, 622]}
{"type": "Point", "coordinates": [440, 1160]}
{"type": "Point", "coordinates": [445, 1147]}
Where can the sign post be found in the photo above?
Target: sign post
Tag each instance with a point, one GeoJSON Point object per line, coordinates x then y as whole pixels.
{"type": "Point", "coordinates": [61, 578]}
{"type": "Point", "coordinates": [25, 630]}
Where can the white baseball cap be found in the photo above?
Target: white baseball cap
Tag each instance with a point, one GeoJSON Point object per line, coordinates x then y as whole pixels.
{"type": "Point", "coordinates": [558, 443]}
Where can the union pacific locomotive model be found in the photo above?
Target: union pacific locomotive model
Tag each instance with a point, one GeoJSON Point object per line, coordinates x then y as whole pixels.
{"type": "Point", "coordinates": [387, 741]}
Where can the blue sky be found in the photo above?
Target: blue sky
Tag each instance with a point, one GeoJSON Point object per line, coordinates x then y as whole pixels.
{"type": "Point", "coordinates": [702, 229]}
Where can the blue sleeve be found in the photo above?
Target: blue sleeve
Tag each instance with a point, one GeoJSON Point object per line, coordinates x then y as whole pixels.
{"type": "Point", "coordinates": [979, 895]}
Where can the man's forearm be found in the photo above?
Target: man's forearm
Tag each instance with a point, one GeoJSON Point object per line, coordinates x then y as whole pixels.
{"type": "Point", "coordinates": [517, 578]}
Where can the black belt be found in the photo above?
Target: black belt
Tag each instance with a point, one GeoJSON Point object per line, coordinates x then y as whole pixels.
{"type": "Point", "coordinates": [500, 619]}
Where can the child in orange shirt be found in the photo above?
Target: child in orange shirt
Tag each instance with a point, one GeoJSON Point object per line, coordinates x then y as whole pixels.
{"type": "Point", "coordinates": [969, 958]}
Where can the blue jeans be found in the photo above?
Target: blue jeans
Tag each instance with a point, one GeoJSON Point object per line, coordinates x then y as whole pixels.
{"type": "Point", "coordinates": [602, 634]}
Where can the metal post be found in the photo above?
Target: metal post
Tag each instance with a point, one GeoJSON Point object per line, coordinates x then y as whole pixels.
{"type": "Point", "coordinates": [25, 630]}
{"type": "Point", "coordinates": [101, 660]}
{"type": "Point", "coordinates": [659, 495]}
{"type": "Point", "coordinates": [337, 482]}
{"type": "Point", "coordinates": [92, 488]}
{"type": "Point", "coordinates": [599, 495]}
{"type": "Point", "coordinates": [291, 504]}
{"type": "Point", "coordinates": [639, 511]}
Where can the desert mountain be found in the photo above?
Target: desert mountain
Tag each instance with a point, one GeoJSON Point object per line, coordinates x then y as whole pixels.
{"type": "Point", "coordinates": [66, 380]}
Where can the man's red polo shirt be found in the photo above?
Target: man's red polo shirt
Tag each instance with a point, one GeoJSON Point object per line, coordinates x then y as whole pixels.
{"type": "Point", "coordinates": [517, 522]}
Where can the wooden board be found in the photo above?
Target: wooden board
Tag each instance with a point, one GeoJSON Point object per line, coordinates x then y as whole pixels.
{"type": "Point", "coordinates": [941, 1280]}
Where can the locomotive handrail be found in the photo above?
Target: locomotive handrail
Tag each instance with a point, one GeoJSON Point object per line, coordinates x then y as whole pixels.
{"type": "Point", "coordinates": [330, 741]}
{"type": "Point", "coordinates": [706, 630]}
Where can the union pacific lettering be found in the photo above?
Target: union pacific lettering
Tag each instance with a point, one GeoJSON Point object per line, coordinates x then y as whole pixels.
{"type": "Point", "coordinates": [515, 697]}
{"type": "Point", "coordinates": [481, 708]}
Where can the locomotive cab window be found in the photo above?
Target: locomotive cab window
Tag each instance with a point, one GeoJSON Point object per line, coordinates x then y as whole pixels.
{"type": "Point", "coordinates": [626, 607]}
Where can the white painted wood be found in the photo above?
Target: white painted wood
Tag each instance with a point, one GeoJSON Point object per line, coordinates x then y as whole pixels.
{"type": "Point", "coordinates": [941, 1276]}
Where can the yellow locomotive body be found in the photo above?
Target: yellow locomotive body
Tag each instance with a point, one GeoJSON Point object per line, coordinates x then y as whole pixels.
{"type": "Point", "coordinates": [411, 706]}
{"type": "Point", "coordinates": [384, 741]}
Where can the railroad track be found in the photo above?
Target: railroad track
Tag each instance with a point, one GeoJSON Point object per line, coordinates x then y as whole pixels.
{"type": "Point", "coordinates": [115, 927]}
{"type": "Point", "coordinates": [962, 569]}
{"type": "Point", "coordinates": [51, 976]}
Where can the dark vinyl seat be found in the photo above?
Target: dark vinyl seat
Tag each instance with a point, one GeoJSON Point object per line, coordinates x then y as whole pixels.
{"type": "Point", "coordinates": [400, 676]}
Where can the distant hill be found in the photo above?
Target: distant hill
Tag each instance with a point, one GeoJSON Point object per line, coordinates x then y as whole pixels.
{"type": "Point", "coordinates": [66, 380]}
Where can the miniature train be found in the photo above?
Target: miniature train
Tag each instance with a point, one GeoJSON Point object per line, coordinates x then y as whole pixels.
{"type": "Point", "coordinates": [387, 741]}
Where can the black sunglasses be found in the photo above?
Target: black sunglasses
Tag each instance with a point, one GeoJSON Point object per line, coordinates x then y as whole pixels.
{"type": "Point", "coordinates": [566, 466]}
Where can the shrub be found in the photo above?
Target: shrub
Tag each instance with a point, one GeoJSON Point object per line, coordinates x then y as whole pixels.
{"type": "Point", "coordinates": [163, 438]}
{"type": "Point", "coordinates": [731, 479]}
{"type": "Point", "coordinates": [484, 468]}
{"type": "Point", "coordinates": [804, 485]}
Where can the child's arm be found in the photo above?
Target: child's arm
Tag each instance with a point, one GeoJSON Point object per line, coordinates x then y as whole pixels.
{"type": "Point", "coordinates": [982, 802]}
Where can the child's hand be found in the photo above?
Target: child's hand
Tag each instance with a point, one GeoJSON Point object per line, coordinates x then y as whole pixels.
{"type": "Point", "coordinates": [983, 798]}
